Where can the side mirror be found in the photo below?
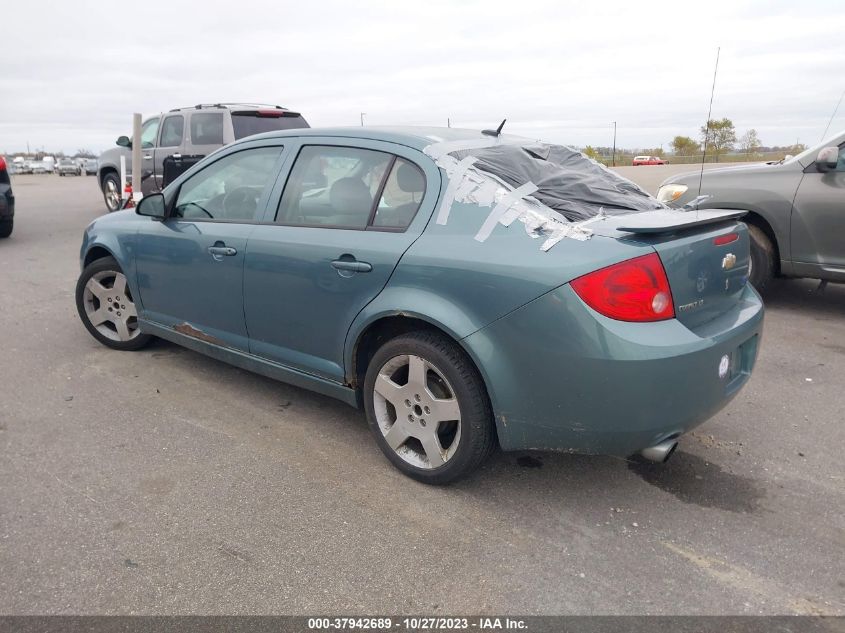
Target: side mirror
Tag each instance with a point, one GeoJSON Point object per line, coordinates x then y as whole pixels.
{"type": "Point", "coordinates": [152, 206]}
{"type": "Point", "coordinates": [124, 141]}
{"type": "Point", "coordinates": [827, 159]}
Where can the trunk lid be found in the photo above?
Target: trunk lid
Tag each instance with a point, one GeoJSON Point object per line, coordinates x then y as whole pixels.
{"type": "Point", "coordinates": [706, 265]}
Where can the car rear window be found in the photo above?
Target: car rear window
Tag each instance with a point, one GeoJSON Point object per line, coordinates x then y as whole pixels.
{"type": "Point", "coordinates": [249, 123]}
{"type": "Point", "coordinates": [567, 181]}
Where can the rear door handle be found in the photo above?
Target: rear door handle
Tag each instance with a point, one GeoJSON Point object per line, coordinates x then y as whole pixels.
{"type": "Point", "coordinates": [352, 265]}
{"type": "Point", "coordinates": [148, 156]}
{"type": "Point", "coordinates": [220, 250]}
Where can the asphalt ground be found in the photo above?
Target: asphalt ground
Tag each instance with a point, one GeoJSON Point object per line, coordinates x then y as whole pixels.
{"type": "Point", "coordinates": [164, 482]}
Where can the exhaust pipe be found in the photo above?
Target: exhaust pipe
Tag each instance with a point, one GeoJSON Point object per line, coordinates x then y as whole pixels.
{"type": "Point", "coordinates": [660, 453]}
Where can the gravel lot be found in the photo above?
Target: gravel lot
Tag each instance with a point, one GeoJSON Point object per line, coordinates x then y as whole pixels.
{"type": "Point", "coordinates": [162, 481]}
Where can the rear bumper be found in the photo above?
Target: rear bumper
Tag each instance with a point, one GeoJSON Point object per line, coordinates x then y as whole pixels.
{"type": "Point", "coordinates": [562, 377]}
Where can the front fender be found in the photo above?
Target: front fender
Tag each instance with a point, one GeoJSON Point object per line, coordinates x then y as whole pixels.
{"type": "Point", "coordinates": [114, 235]}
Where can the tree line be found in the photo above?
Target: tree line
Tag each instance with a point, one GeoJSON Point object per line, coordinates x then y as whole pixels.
{"type": "Point", "coordinates": [718, 137]}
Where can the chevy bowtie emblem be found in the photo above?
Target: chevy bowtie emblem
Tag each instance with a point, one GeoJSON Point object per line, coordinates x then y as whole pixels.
{"type": "Point", "coordinates": [729, 261]}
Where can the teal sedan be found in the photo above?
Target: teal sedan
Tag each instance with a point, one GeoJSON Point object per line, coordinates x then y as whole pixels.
{"type": "Point", "coordinates": [466, 289]}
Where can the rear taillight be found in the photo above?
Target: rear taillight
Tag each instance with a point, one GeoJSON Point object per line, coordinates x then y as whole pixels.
{"type": "Point", "coordinates": [2, 164]}
{"type": "Point", "coordinates": [633, 290]}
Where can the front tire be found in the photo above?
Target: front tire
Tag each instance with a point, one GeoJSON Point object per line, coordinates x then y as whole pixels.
{"type": "Point", "coordinates": [762, 259]}
{"type": "Point", "coordinates": [111, 191]}
{"type": "Point", "coordinates": [427, 407]}
{"type": "Point", "coordinates": [107, 308]}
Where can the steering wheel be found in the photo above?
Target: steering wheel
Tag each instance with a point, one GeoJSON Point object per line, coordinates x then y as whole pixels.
{"type": "Point", "coordinates": [240, 203]}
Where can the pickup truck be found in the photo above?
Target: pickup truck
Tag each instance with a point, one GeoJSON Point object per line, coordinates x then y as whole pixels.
{"type": "Point", "coordinates": [174, 141]}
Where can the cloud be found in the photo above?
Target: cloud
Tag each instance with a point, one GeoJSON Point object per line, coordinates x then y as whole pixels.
{"type": "Point", "coordinates": [74, 72]}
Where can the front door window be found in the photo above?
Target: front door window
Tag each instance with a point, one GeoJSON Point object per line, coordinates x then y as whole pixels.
{"type": "Point", "coordinates": [149, 132]}
{"type": "Point", "coordinates": [230, 188]}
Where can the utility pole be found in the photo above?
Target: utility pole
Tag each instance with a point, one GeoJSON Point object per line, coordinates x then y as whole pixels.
{"type": "Point", "coordinates": [448, 122]}
{"type": "Point", "coordinates": [136, 159]}
{"type": "Point", "coordinates": [362, 118]}
{"type": "Point", "coordinates": [613, 157]}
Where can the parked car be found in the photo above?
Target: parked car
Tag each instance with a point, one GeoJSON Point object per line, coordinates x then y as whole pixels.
{"type": "Point", "coordinates": [68, 167]}
{"type": "Point", "coordinates": [90, 166]}
{"type": "Point", "coordinates": [7, 201]}
{"type": "Point", "coordinates": [648, 160]}
{"type": "Point", "coordinates": [174, 141]}
{"type": "Point", "coordinates": [404, 270]}
{"type": "Point", "coordinates": [22, 166]}
{"type": "Point", "coordinates": [795, 210]}
{"type": "Point", "coordinates": [38, 167]}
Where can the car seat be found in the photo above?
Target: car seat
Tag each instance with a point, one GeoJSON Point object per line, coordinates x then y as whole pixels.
{"type": "Point", "coordinates": [410, 180]}
{"type": "Point", "coordinates": [351, 202]}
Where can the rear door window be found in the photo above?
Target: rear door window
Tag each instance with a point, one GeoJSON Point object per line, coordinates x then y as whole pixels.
{"type": "Point", "coordinates": [334, 187]}
{"type": "Point", "coordinates": [401, 197]}
{"type": "Point", "coordinates": [255, 122]}
{"type": "Point", "coordinates": [207, 128]}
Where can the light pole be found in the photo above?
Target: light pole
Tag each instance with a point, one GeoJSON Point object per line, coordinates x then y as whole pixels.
{"type": "Point", "coordinates": [362, 118]}
{"type": "Point", "coordinates": [613, 156]}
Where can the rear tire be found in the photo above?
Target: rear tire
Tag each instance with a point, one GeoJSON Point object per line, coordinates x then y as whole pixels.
{"type": "Point", "coordinates": [427, 407]}
{"type": "Point", "coordinates": [762, 259]}
{"type": "Point", "coordinates": [6, 227]}
{"type": "Point", "coordinates": [107, 308]}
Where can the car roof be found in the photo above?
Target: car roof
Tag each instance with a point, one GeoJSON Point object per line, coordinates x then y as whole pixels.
{"type": "Point", "coordinates": [418, 137]}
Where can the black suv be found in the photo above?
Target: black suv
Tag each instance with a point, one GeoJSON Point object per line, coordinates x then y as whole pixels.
{"type": "Point", "coordinates": [174, 141]}
{"type": "Point", "coordinates": [7, 201]}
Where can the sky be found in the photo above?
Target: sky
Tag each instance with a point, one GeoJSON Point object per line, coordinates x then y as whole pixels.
{"type": "Point", "coordinates": [72, 73]}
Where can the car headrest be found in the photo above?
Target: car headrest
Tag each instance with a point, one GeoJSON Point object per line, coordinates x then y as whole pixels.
{"type": "Point", "coordinates": [350, 195]}
{"type": "Point", "coordinates": [409, 178]}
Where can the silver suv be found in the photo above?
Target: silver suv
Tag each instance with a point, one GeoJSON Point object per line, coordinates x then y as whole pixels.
{"type": "Point", "coordinates": [174, 141]}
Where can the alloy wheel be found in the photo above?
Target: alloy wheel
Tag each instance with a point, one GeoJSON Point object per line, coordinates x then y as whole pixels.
{"type": "Point", "coordinates": [417, 411]}
{"type": "Point", "coordinates": [109, 306]}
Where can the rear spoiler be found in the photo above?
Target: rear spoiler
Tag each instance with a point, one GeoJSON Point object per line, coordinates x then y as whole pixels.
{"type": "Point", "coordinates": [669, 221]}
{"type": "Point", "coordinates": [272, 113]}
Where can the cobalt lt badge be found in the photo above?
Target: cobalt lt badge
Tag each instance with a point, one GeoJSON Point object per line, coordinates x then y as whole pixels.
{"type": "Point", "coordinates": [729, 261]}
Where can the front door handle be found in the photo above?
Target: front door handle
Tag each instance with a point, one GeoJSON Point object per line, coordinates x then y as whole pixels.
{"type": "Point", "coordinates": [352, 265]}
{"type": "Point", "coordinates": [220, 250]}
{"type": "Point", "coordinates": [148, 156]}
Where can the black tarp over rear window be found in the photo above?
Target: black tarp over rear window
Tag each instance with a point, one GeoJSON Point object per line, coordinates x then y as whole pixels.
{"type": "Point", "coordinates": [567, 181]}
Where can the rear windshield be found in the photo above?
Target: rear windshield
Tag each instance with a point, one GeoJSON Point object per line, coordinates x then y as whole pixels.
{"type": "Point", "coordinates": [249, 123]}
{"type": "Point", "coordinates": [568, 182]}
